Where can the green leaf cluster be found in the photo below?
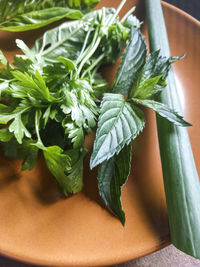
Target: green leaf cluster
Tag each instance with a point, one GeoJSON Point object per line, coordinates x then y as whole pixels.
{"type": "Point", "coordinates": [23, 15]}
{"type": "Point", "coordinates": [54, 95]}
{"type": "Point", "coordinates": [50, 94]}
{"type": "Point", "coordinates": [121, 120]}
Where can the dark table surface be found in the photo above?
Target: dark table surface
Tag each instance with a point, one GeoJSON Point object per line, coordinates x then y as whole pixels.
{"type": "Point", "coordinates": [167, 257]}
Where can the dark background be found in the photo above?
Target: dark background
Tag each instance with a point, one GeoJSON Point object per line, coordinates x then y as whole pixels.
{"type": "Point", "coordinates": [190, 6]}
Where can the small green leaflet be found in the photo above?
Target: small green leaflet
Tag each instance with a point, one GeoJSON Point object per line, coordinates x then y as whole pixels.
{"type": "Point", "coordinates": [75, 133]}
{"type": "Point", "coordinates": [163, 111]}
{"type": "Point", "coordinates": [151, 78]}
{"type": "Point", "coordinates": [18, 128]}
{"type": "Point", "coordinates": [7, 114]}
{"type": "Point", "coordinates": [58, 163]}
{"type": "Point", "coordinates": [30, 155]}
{"type": "Point", "coordinates": [112, 175]}
{"type": "Point", "coordinates": [132, 61]}
{"type": "Point", "coordinates": [75, 172]}
{"type": "Point", "coordinates": [26, 86]}
{"type": "Point", "coordinates": [119, 123]}
{"type": "Point", "coordinates": [69, 64]}
{"type": "Point", "coordinates": [147, 88]}
{"type": "Point", "coordinates": [66, 167]}
{"type": "Point", "coordinates": [5, 135]}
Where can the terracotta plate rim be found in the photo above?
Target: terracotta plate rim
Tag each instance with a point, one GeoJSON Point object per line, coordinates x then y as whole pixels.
{"type": "Point", "coordinates": [164, 243]}
{"type": "Point", "coordinates": [123, 258]}
{"type": "Point", "coordinates": [182, 13]}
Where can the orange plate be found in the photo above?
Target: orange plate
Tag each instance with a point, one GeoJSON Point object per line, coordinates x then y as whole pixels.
{"type": "Point", "coordinates": [37, 225]}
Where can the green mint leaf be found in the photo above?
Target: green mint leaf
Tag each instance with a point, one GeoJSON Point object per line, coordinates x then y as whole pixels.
{"type": "Point", "coordinates": [119, 123]}
{"type": "Point", "coordinates": [151, 78]}
{"type": "Point", "coordinates": [132, 61]}
{"type": "Point", "coordinates": [157, 65]}
{"type": "Point", "coordinates": [58, 163]}
{"type": "Point", "coordinates": [163, 111]}
{"type": "Point", "coordinates": [163, 65]}
{"type": "Point", "coordinates": [147, 88]}
{"type": "Point", "coordinates": [39, 18]}
{"type": "Point", "coordinates": [112, 175]}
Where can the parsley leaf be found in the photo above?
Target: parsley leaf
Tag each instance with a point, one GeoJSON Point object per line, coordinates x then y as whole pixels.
{"type": "Point", "coordinates": [58, 163]}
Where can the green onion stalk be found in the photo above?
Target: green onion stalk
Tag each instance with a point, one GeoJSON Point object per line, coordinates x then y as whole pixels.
{"type": "Point", "coordinates": [181, 181]}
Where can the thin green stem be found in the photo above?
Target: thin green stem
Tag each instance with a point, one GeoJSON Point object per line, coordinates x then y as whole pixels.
{"type": "Point", "coordinates": [116, 13]}
{"type": "Point", "coordinates": [37, 123]}
{"type": "Point", "coordinates": [127, 14]}
{"type": "Point", "coordinates": [82, 53]}
{"type": "Point", "coordinates": [94, 64]}
{"type": "Point", "coordinates": [95, 42]}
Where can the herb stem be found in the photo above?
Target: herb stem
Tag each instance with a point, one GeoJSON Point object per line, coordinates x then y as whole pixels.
{"type": "Point", "coordinates": [127, 14]}
{"type": "Point", "coordinates": [93, 47]}
{"type": "Point", "coordinates": [94, 64]}
{"type": "Point", "coordinates": [37, 122]}
{"type": "Point", "coordinates": [82, 53]}
{"type": "Point", "coordinates": [116, 13]}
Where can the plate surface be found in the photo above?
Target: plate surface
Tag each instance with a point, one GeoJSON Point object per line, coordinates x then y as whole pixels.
{"type": "Point", "coordinates": [38, 225]}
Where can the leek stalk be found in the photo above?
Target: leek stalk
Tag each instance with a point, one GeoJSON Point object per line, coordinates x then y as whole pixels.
{"type": "Point", "coordinates": [181, 181]}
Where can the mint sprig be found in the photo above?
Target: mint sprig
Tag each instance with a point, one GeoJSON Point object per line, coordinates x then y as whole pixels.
{"type": "Point", "coordinates": [141, 78]}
